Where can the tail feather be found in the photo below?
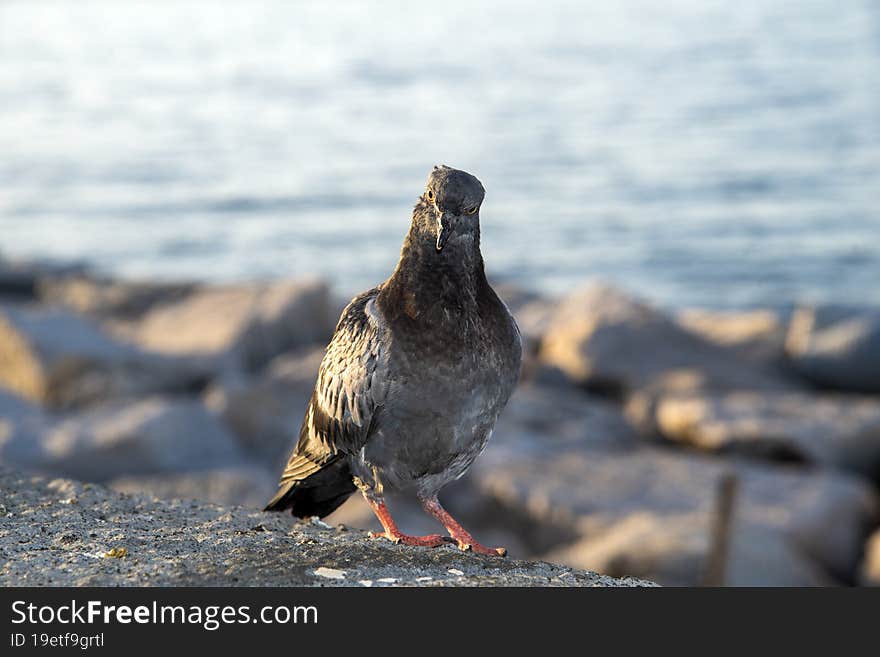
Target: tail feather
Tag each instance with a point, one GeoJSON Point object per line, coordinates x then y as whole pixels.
{"type": "Point", "coordinates": [318, 494]}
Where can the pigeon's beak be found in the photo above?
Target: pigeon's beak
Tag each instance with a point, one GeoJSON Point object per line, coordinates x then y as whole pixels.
{"type": "Point", "coordinates": [444, 229]}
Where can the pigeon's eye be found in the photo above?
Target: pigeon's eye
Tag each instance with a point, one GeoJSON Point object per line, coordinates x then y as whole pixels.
{"type": "Point", "coordinates": [472, 210]}
{"type": "Point", "coordinates": [430, 195]}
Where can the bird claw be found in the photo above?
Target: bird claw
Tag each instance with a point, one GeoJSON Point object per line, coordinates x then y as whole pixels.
{"type": "Point", "coordinates": [482, 549]}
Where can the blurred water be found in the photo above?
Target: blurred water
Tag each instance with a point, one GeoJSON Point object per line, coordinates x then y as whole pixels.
{"type": "Point", "coordinates": [700, 153]}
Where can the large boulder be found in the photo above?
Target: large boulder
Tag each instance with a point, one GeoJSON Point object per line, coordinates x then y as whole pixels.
{"type": "Point", "coordinates": [248, 324]}
{"type": "Point", "coordinates": [755, 335]}
{"type": "Point", "coordinates": [532, 312]}
{"type": "Point", "coordinates": [676, 549]}
{"type": "Point", "coordinates": [832, 430]}
{"type": "Point", "coordinates": [107, 297]}
{"type": "Point", "coordinates": [154, 435]}
{"type": "Point", "coordinates": [608, 341]}
{"type": "Point", "coordinates": [836, 347]}
{"type": "Point", "coordinates": [564, 412]}
{"type": "Point", "coordinates": [57, 358]}
{"type": "Point", "coordinates": [612, 499]}
{"type": "Point", "coordinates": [61, 533]}
{"type": "Point", "coordinates": [266, 411]}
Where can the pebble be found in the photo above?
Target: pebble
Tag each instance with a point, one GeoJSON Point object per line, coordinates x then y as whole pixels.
{"type": "Point", "coordinates": [330, 573]}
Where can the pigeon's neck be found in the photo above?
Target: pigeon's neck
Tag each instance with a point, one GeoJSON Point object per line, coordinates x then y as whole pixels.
{"type": "Point", "coordinates": [427, 281]}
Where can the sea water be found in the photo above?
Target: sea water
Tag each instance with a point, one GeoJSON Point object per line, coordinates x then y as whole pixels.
{"type": "Point", "coordinates": [696, 152]}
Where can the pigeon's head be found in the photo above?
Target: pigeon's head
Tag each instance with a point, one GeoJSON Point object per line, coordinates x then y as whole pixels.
{"type": "Point", "coordinates": [452, 201]}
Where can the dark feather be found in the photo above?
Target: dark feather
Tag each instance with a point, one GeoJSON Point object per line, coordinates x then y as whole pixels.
{"type": "Point", "coordinates": [338, 417]}
{"type": "Point", "coordinates": [319, 494]}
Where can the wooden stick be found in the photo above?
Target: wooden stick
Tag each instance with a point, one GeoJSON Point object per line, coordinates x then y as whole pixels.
{"type": "Point", "coordinates": [722, 522]}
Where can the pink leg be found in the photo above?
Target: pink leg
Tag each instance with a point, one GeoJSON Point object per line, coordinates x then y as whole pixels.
{"type": "Point", "coordinates": [463, 538]}
{"type": "Point", "coordinates": [393, 534]}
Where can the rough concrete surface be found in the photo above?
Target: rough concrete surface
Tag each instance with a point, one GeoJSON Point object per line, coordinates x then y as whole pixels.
{"type": "Point", "coordinates": [56, 532]}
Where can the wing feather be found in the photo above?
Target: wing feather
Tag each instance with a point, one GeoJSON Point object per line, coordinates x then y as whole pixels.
{"type": "Point", "coordinates": [348, 391]}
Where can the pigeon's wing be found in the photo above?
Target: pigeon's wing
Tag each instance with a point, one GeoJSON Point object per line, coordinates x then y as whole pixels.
{"type": "Point", "coordinates": [351, 386]}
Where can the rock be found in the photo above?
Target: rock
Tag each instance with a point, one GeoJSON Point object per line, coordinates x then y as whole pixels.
{"type": "Point", "coordinates": [15, 409]}
{"type": "Point", "coordinates": [109, 298]}
{"type": "Point", "coordinates": [51, 356]}
{"type": "Point", "coordinates": [607, 341]}
{"type": "Point", "coordinates": [241, 485]}
{"type": "Point", "coordinates": [266, 412]}
{"type": "Point", "coordinates": [21, 424]}
{"type": "Point", "coordinates": [533, 320]}
{"type": "Point", "coordinates": [836, 347]}
{"type": "Point", "coordinates": [870, 572]}
{"type": "Point", "coordinates": [676, 547]}
{"type": "Point", "coordinates": [57, 533]}
{"type": "Point", "coordinates": [16, 281]}
{"type": "Point", "coordinates": [21, 278]}
{"type": "Point", "coordinates": [514, 296]}
{"type": "Point", "coordinates": [755, 335]}
{"type": "Point", "coordinates": [531, 310]}
{"type": "Point", "coordinates": [248, 323]}
{"type": "Point", "coordinates": [154, 435]}
{"type": "Point", "coordinates": [564, 413]}
{"type": "Point", "coordinates": [840, 431]}
{"type": "Point", "coordinates": [822, 516]}
{"type": "Point", "coordinates": [533, 313]}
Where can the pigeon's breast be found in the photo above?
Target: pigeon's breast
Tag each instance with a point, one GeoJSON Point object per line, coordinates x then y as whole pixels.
{"type": "Point", "coordinates": [442, 403]}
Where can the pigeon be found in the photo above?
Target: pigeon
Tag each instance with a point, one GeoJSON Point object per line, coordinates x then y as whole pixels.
{"type": "Point", "coordinates": [414, 378]}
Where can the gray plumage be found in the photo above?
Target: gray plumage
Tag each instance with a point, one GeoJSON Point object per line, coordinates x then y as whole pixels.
{"type": "Point", "coordinates": [417, 371]}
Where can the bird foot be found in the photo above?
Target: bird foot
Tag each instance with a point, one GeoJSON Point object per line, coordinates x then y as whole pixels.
{"type": "Point", "coordinates": [458, 533]}
{"type": "Point", "coordinates": [473, 546]}
{"type": "Point", "coordinates": [467, 543]}
{"type": "Point", "coordinates": [432, 540]}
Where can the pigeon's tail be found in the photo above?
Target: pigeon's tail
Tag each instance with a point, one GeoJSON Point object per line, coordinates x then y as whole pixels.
{"type": "Point", "coordinates": [318, 494]}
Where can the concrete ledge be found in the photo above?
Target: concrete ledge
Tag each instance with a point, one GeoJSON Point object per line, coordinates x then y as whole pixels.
{"type": "Point", "coordinates": [56, 532]}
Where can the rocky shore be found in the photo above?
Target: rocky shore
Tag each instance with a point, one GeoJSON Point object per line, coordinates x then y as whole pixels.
{"type": "Point", "coordinates": [610, 456]}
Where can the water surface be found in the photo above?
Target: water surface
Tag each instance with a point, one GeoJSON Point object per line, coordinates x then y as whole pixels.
{"type": "Point", "coordinates": [699, 153]}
